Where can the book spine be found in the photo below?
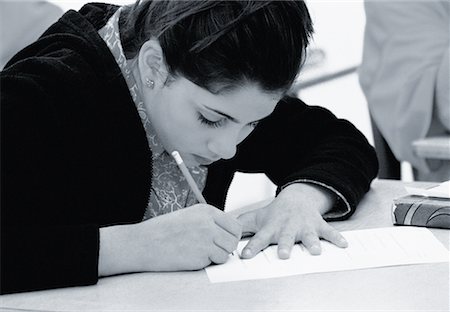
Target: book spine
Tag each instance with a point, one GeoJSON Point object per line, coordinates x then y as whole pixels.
{"type": "Point", "coordinates": [422, 213]}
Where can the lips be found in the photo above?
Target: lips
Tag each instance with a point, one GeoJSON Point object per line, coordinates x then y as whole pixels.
{"type": "Point", "coordinates": [204, 161]}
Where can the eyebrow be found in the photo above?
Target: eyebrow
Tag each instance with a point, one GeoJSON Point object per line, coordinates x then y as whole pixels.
{"type": "Point", "coordinates": [228, 116]}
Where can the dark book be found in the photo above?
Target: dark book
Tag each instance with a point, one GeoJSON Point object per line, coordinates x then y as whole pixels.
{"type": "Point", "coordinates": [422, 211]}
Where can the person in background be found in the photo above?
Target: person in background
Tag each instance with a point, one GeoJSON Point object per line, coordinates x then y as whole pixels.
{"type": "Point", "coordinates": [22, 22]}
{"type": "Point", "coordinates": [405, 77]}
{"type": "Point", "coordinates": [91, 112]}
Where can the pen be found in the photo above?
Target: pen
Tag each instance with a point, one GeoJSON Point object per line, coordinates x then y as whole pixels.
{"type": "Point", "coordinates": [188, 177]}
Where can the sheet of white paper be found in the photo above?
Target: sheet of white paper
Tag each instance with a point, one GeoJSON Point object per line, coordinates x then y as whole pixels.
{"type": "Point", "coordinates": [366, 249]}
{"type": "Point", "coordinates": [442, 190]}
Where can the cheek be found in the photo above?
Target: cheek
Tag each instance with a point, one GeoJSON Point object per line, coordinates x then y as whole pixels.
{"type": "Point", "coordinates": [244, 133]}
{"type": "Point", "coordinates": [187, 132]}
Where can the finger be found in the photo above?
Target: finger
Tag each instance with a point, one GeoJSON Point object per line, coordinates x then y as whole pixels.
{"type": "Point", "coordinates": [312, 242]}
{"type": "Point", "coordinates": [248, 222]}
{"type": "Point", "coordinates": [261, 240]}
{"type": "Point", "coordinates": [285, 243]}
{"type": "Point", "coordinates": [333, 236]}
{"type": "Point", "coordinates": [218, 255]}
{"type": "Point", "coordinates": [226, 241]}
{"type": "Point", "coordinates": [229, 224]}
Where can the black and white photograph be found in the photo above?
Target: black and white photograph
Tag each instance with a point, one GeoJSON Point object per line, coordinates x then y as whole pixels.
{"type": "Point", "coordinates": [236, 155]}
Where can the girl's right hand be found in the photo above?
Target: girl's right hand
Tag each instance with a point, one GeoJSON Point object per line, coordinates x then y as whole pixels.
{"type": "Point", "coordinates": [187, 239]}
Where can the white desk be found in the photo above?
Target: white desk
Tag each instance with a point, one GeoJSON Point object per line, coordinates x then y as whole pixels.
{"type": "Point", "coordinates": [413, 287]}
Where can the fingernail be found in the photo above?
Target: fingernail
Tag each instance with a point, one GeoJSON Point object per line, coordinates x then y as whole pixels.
{"type": "Point", "coordinates": [343, 242]}
{"type": "Point", "coordinates": [315, 250]}
{"type": "Point", "coordinates": [246, 253]}
{"type": "Point", "coordinates": [284, 254]}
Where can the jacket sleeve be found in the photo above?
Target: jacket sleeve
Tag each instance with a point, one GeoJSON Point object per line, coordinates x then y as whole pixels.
{"type": "Point", "coordinates": [300, 143]}
{"type": "Point", "coordinates": [41, 247]}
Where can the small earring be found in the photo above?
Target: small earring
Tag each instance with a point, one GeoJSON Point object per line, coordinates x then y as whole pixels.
{"type": "Point", "coordinates": [149, 83]}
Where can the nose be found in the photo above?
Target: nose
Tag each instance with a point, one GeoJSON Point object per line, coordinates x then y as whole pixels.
{"type": "Point", "coordinates": [223, 145]}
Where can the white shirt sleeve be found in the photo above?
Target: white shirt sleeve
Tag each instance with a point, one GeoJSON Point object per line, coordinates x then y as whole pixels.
{"type": "Point", "coordinates": [404, 46]}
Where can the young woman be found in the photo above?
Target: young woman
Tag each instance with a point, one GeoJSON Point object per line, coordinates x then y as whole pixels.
{"type": "Point", "coordinates": [92, 110]}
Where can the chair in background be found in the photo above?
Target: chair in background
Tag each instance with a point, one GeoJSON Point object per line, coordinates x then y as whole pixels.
{"type": "Point", "coordinates": [389, 166]}
{"type": "Point", "coordinates": [433, 147]}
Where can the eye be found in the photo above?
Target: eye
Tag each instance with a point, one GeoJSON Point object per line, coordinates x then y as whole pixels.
{"type": "Point", "coordinates": [253, 124]}
{"type": "Point", "coordinates": [210, 123]}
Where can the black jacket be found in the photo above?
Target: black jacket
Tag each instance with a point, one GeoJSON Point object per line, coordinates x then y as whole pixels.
{"type": "Point", "coordinates": [74, 155]}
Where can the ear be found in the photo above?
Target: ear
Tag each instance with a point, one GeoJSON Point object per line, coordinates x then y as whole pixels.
{"type": "Point", "coordinates": [151, 63]}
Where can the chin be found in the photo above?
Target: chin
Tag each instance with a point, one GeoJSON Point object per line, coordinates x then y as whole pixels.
{"type": "Point", "coordinates": [190, 163]}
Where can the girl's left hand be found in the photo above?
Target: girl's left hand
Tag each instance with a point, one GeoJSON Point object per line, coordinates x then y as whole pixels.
{"type": "Point", "coordinates": [295, 215]}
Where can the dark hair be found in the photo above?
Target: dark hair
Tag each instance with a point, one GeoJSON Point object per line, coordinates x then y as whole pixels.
{"type": "Point", "coordinates": [218, 45]}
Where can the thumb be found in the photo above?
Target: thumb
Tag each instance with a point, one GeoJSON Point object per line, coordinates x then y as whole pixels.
{"type": "Point", "coordinates": [248, 222]}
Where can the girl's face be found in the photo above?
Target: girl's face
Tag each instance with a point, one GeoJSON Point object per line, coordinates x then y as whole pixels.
{"type": "Point", "coordinates": [205, 127]}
